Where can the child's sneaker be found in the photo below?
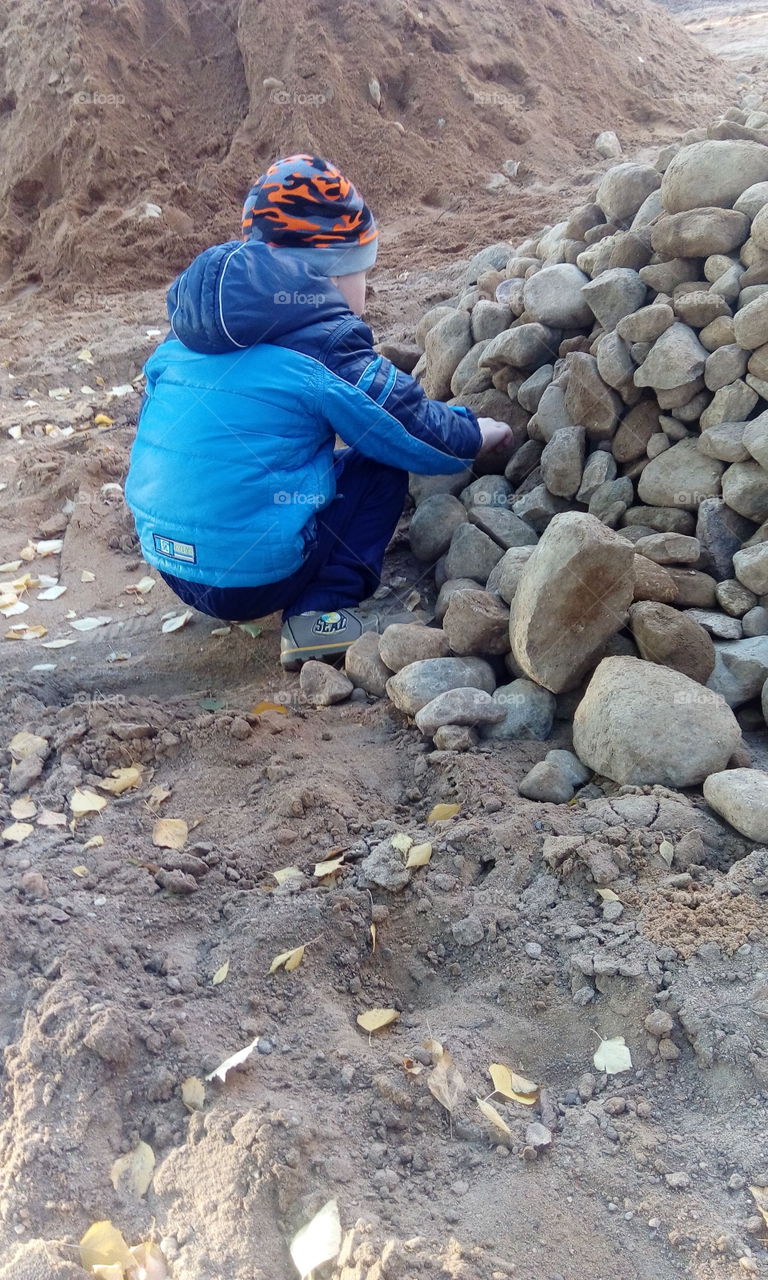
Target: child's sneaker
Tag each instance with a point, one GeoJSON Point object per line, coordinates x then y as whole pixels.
{"type": "Point", "coordinates": [325, 636]}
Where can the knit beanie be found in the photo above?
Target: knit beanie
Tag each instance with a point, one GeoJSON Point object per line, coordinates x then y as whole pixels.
{"type": "Point", "coordinates": [304, 204]}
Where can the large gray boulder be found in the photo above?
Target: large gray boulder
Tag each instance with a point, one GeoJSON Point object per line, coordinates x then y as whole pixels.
{"type": "Point", "coordinates": [465, 705]}
{"type": "Point", "coordinates": [697, 233]}
{"type": "Point", "coordinates": [712, 173]}
{"type": "Point", "coordinates": [741, 669]}
{"type": "Point", "coordinates": [676, 359]}
{"type": "Point", "coordinates": [624, 188]}
{"type": "Point", "coordinates": [529, 712]}
{"type": "Point", "coordinates": [433, 525]}
{"type": "Point", "coordinates": [573, 595]}
{"type": "Point", "coordinates": [445, 345]}
{"type": "Point", "coordinates": [643, 724]}
{"type": "Point", "coordinates": [741, 797]}
{"type": "Point", "coordinates": [553, 296]}
{"type": "Point", "coordinates": [417, 684]}
{"type": "Point", "coordinates": [680, 477]}
{"type": "Point", "coordinates": [614, 294]}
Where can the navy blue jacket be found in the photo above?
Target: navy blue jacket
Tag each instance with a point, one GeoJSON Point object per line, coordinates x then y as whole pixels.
{"type": "Point", "coordinates": [233, 454]}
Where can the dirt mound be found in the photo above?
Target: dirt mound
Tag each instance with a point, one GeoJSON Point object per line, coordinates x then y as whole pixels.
{"type": "Point", "coordinates": [107, 110]}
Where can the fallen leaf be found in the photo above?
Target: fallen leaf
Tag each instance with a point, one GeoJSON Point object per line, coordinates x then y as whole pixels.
{"type": "Point", "coordinates": [373, 937]}
{"type": "Point", "coordinates": [419, 855]}
{"type": "Point", "coordinates": [443, 811]}
{"type": "Point", "coordinates": [234, 1061]}
{"type": "Point", "coordinates": [52, 593]}
{"type": "Point", "coordinates": [25, 744]}
{"type": "Point", "coordinates": [109, 1270]}
{"type": "Point", "coordinates": [401, 842]}
{"type": "Point", "coordinates": [177, 621]}
{"type": "Point", "coordinates": [252, 629]}
{"type": "Point", "coordinates": [317, 1242]}
{"type": "Point", "coordinates": [23, 808]}
{"type": "Point", "coordinates": [446, 1083]}
{"type": "Point", "coordinates": [328, 868]}
{"type": "Point", "coordinates": [434, 1047]}
{"type": "Point", "coordinates": [14, 433]}
{"type": "Point", "coordinates": [27, 633]}
{"type": "Point", "coordinates": [59, 393]}
{"type": "Point", "coordinates": [89, 624]}
{"type": "Point", "coordinates": [103, 420]}
{"type": "Point", "coordinates": [157, 796]}
{"type": "Point", "coordinates": [760, 1196]}
{"type": "Point", "coordinates": [80, 872]}
{"type": "Point", "coordinates": [85, 355]}
{"type": "Point", "coordinates": [220, 974]}
{"type": "Point", "coordinates": [608, 895]}
{"type": "Point", "coordinates": [267, 706]}
{"type": "Point", "coordinates": [613, 1056]}
{"type": "Point", "coordinates": [49, 818]}
{"type": "Point", "coordinates": [49, 546]}
{"type": "Point", "coordinates": [286, 873]}
{"type": "Point", "coordinates": [10, 566]}
{"type": "Point", "coordinates": [193, 1093]}
{"type": "Point", "coordinates": [490, 1113]}
{"type": "Point", "coordinates": [132, 1173]}
{"type": "Point", "coordinates": [17, 832]}
{"type": "Point", "coordinates": [151, 1263]}
{"type": "Point", "coordinates": [83, 801]}
{"type": "Point", "coordinates": [511, 1085]}
{"type": "Point", "coordinates": [28, 553]}
{"type": "Point", "coordinates": [375, 1019]}
{"type": "Point", "coordinates": [140, 588]}
{"type": "Point", "coordinates": [61, 643]}
{"type": "Point", "coordinates": [289, 959]}
{"type": "Point", "coordinates": [170, 833]}
{"type": "Point", "coordinates": [103, 1244]}
{"type": "Point", "coordinates": [413, 1067]}
{"type": "Point", "coordinates": [87, 576]}
{"type": "Point", "coordinates": [666, 852]}
{"type": "Point", "coordinates": [95, 842]}
{"type": "Point", "coordinates": [124, 779]}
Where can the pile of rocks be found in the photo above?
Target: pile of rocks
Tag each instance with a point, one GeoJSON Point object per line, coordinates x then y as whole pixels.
{"type": "Point", "coordinates": [616, 573]}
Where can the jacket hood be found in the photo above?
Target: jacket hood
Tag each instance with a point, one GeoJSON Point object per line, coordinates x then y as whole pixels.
{"type": "Point", "coordinates": [238, 294]}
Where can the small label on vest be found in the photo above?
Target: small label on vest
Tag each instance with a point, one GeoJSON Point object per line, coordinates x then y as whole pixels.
{"type": "Point", "coordinates": [174, 550]}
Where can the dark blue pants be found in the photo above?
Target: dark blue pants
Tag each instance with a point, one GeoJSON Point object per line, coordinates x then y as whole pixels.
{"type": "Point", "coordinates": [344, 564]}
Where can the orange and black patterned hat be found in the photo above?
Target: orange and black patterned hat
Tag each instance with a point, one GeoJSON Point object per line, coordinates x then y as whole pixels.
{"type": "Point", "coordinates": [304, 204]}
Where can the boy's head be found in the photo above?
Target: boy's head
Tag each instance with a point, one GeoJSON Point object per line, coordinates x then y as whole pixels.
{"type": "Point", "coordinates": [304, 204]}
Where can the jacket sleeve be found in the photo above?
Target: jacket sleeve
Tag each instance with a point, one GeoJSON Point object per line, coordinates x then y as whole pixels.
{"type": "Point", "coordinates": [384, 413]}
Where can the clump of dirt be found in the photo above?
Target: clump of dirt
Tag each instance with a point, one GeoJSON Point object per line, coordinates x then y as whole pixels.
{"type": "Point", "coordinates": [130, 133]}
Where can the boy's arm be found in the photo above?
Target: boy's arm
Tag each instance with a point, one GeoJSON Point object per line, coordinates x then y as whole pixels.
{"type": "Point", "coordinates": [385, 414]}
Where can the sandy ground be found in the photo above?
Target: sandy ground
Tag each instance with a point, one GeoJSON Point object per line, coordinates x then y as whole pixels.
{"type": "Point", "coordinates": [503, 948]}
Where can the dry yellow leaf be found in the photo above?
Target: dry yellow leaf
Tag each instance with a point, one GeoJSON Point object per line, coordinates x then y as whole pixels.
{"type": "Point", "coordinates": [490, 1113]}
{"type": "Point", "coordinates": [608, 895]}
{"type": "Point", "coordinates": [419, 855]}
{"type": "Point", "coordinates": [95, 842]}
{"type": "Point", "coordinates": [151, 1262]}
{"type": "Point", "coordinates": [121, 780]}
{"type": "Point", "coordinates": [23, 808]}
{"type": "Point", "coordinates": [373, 937]}
{"type": "Point", "coordinates": [26, 744]}
{"type": "Point", "coordinates": [511, 1085]}
{"type": "Point", "coordinates": [132, 1173]}
{"type": "Point", "coordinates": [289, 959]}
{"type": "Point", "coordinates": [446, 1083]}
{"type": "Point", "coordinates": [87, 576]}
{"type": "Point", "coordinates": [104, 1245]}
{"type": "Point", "coordinates": [49, 818]}
{"type": "Point", "coordinates": [286, 873]}
{"type": "Point", "coordinates": [329, 867]}
{"type": "Point", "coordinates": [760, 1197]}
{"type": "Point", "coordinates": [157, 796]}
{"type": "Point", "coordinates": [170, 833]}
{"type": "Point", "coordinates": [193, 1093]}
{"type": "Point", "coordinates": [103, 420]}
{"type": "Point", "coordinates": [268, 706]}
{"type": "Point", "coordinates": [83, 801]}
{"type": "Point", "coordinates": [434, 1047]}
{"type": "Point", "coordinates": [401, 841]}
{"type": "Point", "coordinates": [17, 832]}
{"type": "Point", "coordinates": [667, 852]}
{"type": "Point", "coordinates": [234, 1060]}
{"type": "Point", "coordinates": [613, 1056]}
{"type": "Point", "coordinates": [220, 974]}
{"type": "Point", "coordinates": [443, 811]}
{"type": "Point", "coordinates": [80, 872]}
{"type": "Point", "coordinates": [109, 1270]}
{"type": "Point", "coordinates": [375, 1019]}
{"type": "Point", "coordinates": [412, 1067]}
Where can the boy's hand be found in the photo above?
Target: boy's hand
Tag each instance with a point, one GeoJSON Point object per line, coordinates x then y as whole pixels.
{"type": "Point", "coordinates": [496, 435]}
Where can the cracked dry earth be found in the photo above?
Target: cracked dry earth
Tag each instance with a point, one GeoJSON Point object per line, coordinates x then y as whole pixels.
{"type": "Point", "coordinates": [508, 947]}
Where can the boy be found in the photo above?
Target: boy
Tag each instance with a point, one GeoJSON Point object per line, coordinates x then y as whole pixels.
{"type": "Point", "coordinates": [239, 499]}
